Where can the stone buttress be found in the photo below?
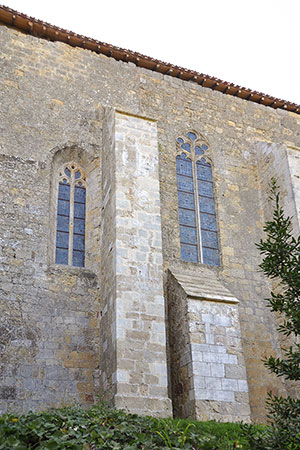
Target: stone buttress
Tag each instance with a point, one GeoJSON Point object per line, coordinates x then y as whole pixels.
{"type": "Point", "coordinates": [207, 364]}
{"type": "Point", "coordinates": [134, 367]}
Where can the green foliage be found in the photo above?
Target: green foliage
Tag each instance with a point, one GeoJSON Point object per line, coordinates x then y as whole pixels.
{"type": "Point", "coordinates": [281, 261]}
{"type": "Point", "coordinates": [103, 428]}
{"type": "Point", "coordinates": [284, 431]}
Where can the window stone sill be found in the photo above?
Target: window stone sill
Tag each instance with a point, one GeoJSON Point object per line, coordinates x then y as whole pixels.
{"type": "Point", "coordinates": [82, 272]}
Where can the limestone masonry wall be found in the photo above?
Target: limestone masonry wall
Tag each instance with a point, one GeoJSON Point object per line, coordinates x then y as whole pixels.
{"type": "Point", "coordinates": [70, 334]}
{"type": "Point", "coordinates": [209, 379]}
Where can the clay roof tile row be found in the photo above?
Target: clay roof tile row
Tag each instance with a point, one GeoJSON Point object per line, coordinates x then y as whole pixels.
{"type": "Point", "coordinates": [44, 30]}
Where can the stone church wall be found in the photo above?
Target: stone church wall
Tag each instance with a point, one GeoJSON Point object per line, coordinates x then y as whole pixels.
{"type": "Point", "coordinates": [61, 332]}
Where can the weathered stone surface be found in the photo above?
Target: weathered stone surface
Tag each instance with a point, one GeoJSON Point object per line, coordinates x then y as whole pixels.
{"type": "Point", "coordinates": [69, 334]}
{"type": "Point", "coordinates": [202, 348]}
{"type": "Point", "coordinates": [133, 215]}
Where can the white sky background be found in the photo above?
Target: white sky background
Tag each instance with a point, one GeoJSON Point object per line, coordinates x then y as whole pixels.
{"type": "Point", "coordinates": [252, 43]}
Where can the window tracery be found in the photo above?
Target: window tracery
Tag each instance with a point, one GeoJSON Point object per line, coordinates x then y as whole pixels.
{"type": "Point", "coordinates": [71, 210]}
{"type": "Point", "coordinates": [196, 204]}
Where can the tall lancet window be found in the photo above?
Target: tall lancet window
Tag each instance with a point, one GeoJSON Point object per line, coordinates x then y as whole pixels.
{"type": "Point", "coordinates": [70, 229]}
{"type": "Point", "coordinates": [196, 204]}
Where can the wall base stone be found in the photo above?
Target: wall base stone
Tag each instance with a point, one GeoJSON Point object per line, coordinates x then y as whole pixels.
{"type": "Point", "coordinates": [147, 406]}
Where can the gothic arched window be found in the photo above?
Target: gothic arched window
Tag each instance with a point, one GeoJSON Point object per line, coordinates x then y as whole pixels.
{"type": "Point", "coordinates": [70, 228]}
{"type": "Point", "coordinates": [196, 204]}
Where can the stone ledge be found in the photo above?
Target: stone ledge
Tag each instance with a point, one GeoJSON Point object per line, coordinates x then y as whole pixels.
{"type": "Point", "coordinates": [202, 284]}
{"type": "Point", "coordinates": [70, 270]}
{"type": "Point", "coordinates": [154, 406]}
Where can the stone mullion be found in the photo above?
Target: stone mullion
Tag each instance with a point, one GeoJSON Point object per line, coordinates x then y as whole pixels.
{"type": "Point", "coordinates": [71, 222]}
{"type": "Point", "coordinates": [197, 206]}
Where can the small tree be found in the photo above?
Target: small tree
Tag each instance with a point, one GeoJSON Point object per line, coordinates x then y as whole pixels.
{"type": "Point", "coordinates": [281, 261]}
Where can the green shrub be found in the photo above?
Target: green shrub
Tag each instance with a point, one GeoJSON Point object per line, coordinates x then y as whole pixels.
{"type": "Point", "coordinates": [103, 428]}
{"type": "Point", "coordinates": [284, 432]}
{"type": "Point", "coordinates": [281, 262]}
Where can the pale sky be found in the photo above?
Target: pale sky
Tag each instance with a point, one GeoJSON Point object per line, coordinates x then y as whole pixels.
{"type": "Point", "coordinates": [252, 43]}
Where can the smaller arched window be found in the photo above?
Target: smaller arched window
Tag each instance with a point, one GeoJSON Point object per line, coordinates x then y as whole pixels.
{"type": "Point", "coordinates": [196, 204]}
{"type": "Point", "coordinates": [71, 206]}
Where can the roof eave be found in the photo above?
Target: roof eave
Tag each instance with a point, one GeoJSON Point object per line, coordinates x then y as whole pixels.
{"type": "Point", "coordinates": [44, 30]}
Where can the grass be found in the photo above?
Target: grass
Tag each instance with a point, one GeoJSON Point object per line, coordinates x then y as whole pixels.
{"type": "Point", "coordinates": [100, 427]}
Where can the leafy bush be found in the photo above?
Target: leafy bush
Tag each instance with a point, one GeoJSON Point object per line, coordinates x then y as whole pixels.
{"type": "Point", "coordinates": [283, 433]}
{"type": "Point", "coordinates": [281, 261]}
{"type": "Point", "coordinates": [103, 428]}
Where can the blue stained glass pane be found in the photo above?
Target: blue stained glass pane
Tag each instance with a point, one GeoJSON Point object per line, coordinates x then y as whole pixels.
{"type": "Point", "coordinates": [204, 172]}
{"type": "Point", "coordinates": [78, 258]}
{"type": "Point", "coordinates": [62, 223]}
{"type": "Point", "coordinates": [205, 188]}
{"type": "Point", "coordinates": [208, 222]}
{"type": "Point", "coordinates": [186, 146]}
{"type": "Point", "coordinates": [184, 166]}
{"type": "Point", "coordinates": [198, 150]}
{"type": "Point", "coordinates": [187, 217]}
{"type": "Point", "coordinates": [78, 242]}
{"type": "Point", "coordinates": [64, 191]}
{"type": "Point", "coordinates": [209, 239]}
{"type": "Point", "coordinates": [188, 235]}
{"type": "Point", "coordinates": [189, 253]}
{"type": "Point", "coordinates": [79, 210]}
{"type": "Point", "coordinates": [63, 207]}
{"type": "Point", "coordinates": [204, 162]}
{"type": "Point", "coordinates": [204, 147]}
{"type": "Point", "coordinates": [185, 183]}
{"type": "Point", "coordinates": [62, 239]}
{"type": "Point", "coordinates": [180, 140]}
{"type": "Point", "coordinates": [210, 256]}
{"type": "Point", "coordinates": [61, 256]}
{"type": "Point", "coordinates": [186, 200]}
{"type": "Point", "coordinates": [79, 226]}
{"type": "Point", "coordinates": [79, 194]}
{"type": "Point", "coordinates": [191, 135]}
{"type": "Point", "coordinates": [207, 205]}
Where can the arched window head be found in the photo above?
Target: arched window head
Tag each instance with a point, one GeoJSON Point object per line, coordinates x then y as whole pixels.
{"type": "Point", "coordinates": [196, 204]}
{"type": "Point", "coordinates": [70, 228]}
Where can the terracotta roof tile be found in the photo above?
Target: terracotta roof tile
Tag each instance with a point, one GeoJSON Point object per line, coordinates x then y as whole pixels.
{"type": "Point", "coordinates": [45, 30]}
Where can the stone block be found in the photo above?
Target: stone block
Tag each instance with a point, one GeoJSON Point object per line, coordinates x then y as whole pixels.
{"type": "Point", "coordinates": [217, 370]}
{"type": "Point", "coordinates": [202, 369]}
{"type": "Point", "coordinates": [230, 385]}
{"type": "Point", "coordinates": [214, 394]}
{"type": "Point", "coordinates": [242, 386]}
{"type": "Point", "coordinates": [214, 383]}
